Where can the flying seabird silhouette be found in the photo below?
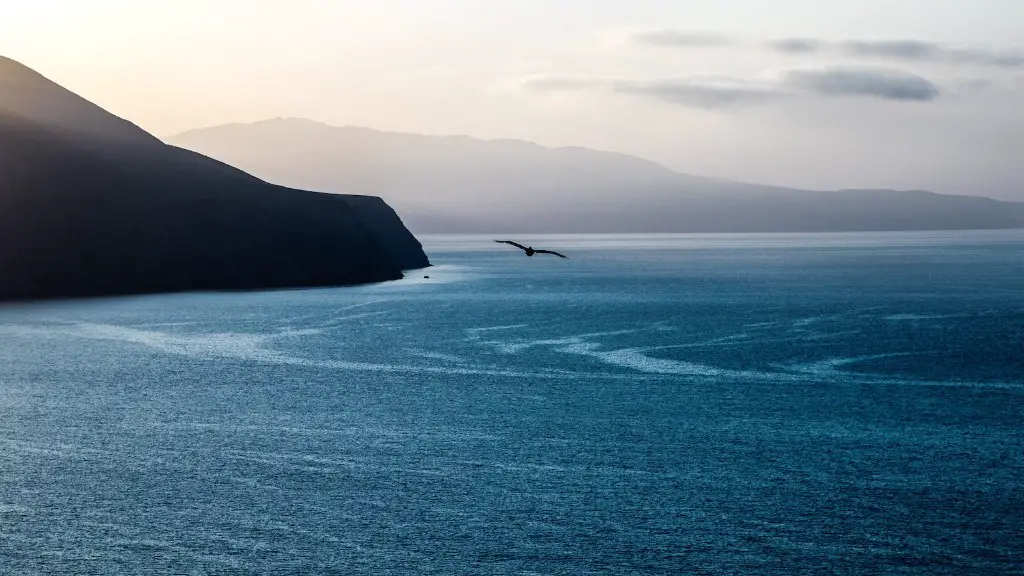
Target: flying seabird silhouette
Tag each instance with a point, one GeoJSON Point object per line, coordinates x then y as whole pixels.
{"type": "Point", "coordinates": [529, 249]}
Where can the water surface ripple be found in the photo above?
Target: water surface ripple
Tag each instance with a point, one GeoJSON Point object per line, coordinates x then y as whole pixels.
{"type": "Point", "coordinates": [656, 404]}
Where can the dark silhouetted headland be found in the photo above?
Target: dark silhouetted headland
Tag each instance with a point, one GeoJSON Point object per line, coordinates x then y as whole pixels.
{"type": "Point", "coordinates": [92, 205]}
{"type": "Point", "coordinates": [458, 184]}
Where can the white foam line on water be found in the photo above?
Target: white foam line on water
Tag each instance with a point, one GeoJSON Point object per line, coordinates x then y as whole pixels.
{"type": "Point", "coordinates": [762, 325]}
{"type": "Point", "coordinates": [815, 373]}
{"type": "Point", "coordinates": [802, 322]}
{"type": "Point", "coordinates": [296, 333]}
{"type": "Point", "coordinates": [830, 367]}
{"type": "Point", "coordinates": [912, 317]}
{"type": "Point", "coordinates": [517, 346]}
{"type": "Point", "coordinates": [512, 348]}
{"type": "Point", "coordinates": [163, 324]}
{"type": "Point", "coordinates": [607, 333]}
{"type": "Point", "coordinates": [436, 356]}
{"type": "Point", "coordinates": [803, 336]}
{"type": "Point", "coordinates": [335, 321]}
{"type": "Point", "coordinates": [823, 335]}
{"type": "Point", "coordinates": [250, 346]}
{"type": "Point", "coordinates": [631, 358]}
{"type": "Point", "coordinates": [474, 333]}
{"type": "Point", "coordinates": [828, 371]}
{"type": "Point", "coordinates": [736, 340]}
{"type": "Point", "coordinates": [634, 359]}
{"type": "Point", "coordinates": [339, 309]}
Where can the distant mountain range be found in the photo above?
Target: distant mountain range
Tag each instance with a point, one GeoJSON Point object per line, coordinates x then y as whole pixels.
{"type": "Point", "coordinates": [457, 184]}
{"type": "Point", "coordinates": [91, 205]}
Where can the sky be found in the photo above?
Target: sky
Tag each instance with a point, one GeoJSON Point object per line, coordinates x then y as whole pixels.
{"type": "Point", "coordinates": [823, 94]}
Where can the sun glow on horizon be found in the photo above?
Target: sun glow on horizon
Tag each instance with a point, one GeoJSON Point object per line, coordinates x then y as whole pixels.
{"type": "Point", "coordinates": [459, 67]}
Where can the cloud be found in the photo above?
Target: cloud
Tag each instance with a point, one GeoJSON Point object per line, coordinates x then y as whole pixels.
{"type": "Point", "coordinates": [901, 50]}
{"type": "Point", "coordinates": [884, 83]}
{"type": "Point", "coordinates": [714, 93]}
{"type": "Point", "coordinates": [897, 50]}
{"type": "Point", "coordinates": [720, 92]}
{"type": "Point", "coordinates": [681, 38]}
{"type": "Point", "coordinates": [796, 45]}
{"type": "Point", "coordinates": [698, 93]}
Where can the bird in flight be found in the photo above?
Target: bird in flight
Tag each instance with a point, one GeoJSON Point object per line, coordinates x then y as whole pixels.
{"type": "Point", "coordinates": [530, 250]}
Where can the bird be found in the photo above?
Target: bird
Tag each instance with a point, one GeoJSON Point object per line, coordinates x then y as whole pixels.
{"type": "Point", "coordinates": [530, 251]}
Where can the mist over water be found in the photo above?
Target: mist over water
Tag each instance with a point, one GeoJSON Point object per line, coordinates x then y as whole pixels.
{"type": "Point", "coordinates": [656, 404]}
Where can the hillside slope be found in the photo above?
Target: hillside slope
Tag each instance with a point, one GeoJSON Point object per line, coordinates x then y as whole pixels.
{"type": "Point", "coordinates": [460, 184]}
{"type": "Point", "coordinates": [92, 205]}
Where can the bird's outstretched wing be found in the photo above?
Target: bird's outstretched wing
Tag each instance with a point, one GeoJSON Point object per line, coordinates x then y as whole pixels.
{"type": "Point", "coordinates": [520, 246]}
{"type": "Point", "coordinates": [551, 252]}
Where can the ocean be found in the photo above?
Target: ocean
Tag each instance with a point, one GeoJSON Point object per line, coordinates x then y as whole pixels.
{"type": "Point", "coordinates": [656, 404]}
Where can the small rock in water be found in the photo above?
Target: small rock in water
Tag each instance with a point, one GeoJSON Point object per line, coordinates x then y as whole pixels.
{"type": "Point", "coordinates": [426, 276]}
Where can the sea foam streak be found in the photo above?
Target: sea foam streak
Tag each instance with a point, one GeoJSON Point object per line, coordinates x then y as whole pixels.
{"type": "Point", "coordinates": [253, 347]}
{"type": "Point", "coordinates": [258, 347]}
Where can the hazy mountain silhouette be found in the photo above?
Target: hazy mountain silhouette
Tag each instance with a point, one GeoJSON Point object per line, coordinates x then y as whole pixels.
{"type": "Point", "coordinates": [461, 184]}
{"type": "Point", "coordinates": [90, 204]}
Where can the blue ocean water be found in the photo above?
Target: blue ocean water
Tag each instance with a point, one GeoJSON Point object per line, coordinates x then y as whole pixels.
{"type": "Point", "coordinates": [704, 404]}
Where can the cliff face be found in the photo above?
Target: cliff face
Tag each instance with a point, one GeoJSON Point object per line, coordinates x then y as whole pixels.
{"type": "Point", "coordinates": [91, 205]}
{"type": "Point", "coordinates": [395, 238]}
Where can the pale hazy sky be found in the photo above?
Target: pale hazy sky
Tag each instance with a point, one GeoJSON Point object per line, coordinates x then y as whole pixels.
{"type": "Point", "coordinates": [812, 93]}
